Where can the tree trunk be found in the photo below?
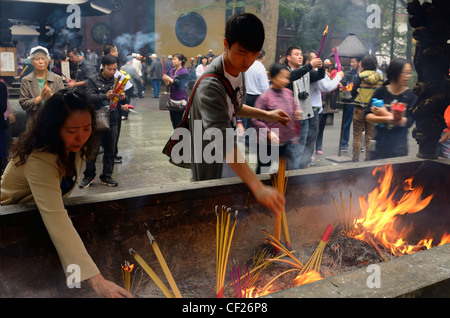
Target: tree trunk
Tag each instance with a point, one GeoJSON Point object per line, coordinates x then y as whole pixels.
{"type": "Point", "coordinates": [269, 16]}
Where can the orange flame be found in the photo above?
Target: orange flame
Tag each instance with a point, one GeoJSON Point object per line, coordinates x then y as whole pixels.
{"type": "Point", "coordinates": [307, 278]}
{"type": "Point", "coordinates": [127, 267]}
{"type": "Point", "coordinates": [348, 88]}
{"type": "Point", "coordinates": [326, 30]}
{"type": "Point", "coordinates": [381, 210]}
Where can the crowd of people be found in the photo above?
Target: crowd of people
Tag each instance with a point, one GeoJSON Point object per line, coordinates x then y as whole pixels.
{"type": "Point", "coordinates": [288, 105]}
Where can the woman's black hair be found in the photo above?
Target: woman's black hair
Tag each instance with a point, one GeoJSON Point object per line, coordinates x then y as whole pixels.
{"type": "Point", "coordinates": [247, 30]}
{"type": "Point", "coordinates": [276, 68]}
{"type": "Point", "coordinates": [181, 57]}
{"type": "Point", "coordinates": [44, 132]}
{"type": "Point", "coordinates": [394, 70]}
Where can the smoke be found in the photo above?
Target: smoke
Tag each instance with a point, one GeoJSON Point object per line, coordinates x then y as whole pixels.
{"type": "Point", "coordinates": [133, 43]}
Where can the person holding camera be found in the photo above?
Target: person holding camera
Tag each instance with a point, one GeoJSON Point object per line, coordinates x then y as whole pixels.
{"type": "Point", "coordinates": [302, 75]}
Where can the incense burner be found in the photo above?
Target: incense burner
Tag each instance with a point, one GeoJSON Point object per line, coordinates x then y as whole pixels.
{"type": "Point", "coordinates": [183, 222]}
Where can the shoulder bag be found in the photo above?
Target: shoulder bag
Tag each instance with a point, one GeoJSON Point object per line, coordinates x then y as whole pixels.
{"type": "Point", "coordinates": [102, 119]}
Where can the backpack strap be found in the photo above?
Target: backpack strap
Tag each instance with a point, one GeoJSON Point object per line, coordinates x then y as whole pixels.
{"type": "Point", "coordinates": [226, 84]}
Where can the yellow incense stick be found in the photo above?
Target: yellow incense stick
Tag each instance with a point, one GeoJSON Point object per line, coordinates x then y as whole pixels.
{"type": "Point", "coordinates": [151, 273]}
{"type": "Point", "coordinates": [279, 181]}
{"type": "Point", "coordinates": [223, 241]}
{"type": "Point", "coordinates": [164, 266]}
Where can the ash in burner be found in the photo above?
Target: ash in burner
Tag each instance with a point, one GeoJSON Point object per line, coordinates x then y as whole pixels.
{"type": "Point", "coordinates": [341, 254]}
{"type": "Point", "coordinates": [344, 253]}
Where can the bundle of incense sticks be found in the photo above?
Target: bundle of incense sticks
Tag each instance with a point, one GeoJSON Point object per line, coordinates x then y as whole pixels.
{"type": "Point", "coordinates": [128, 283]}
{"type": "Point", "coordinates": [241, 290]}
{"type": "Point", "coordinates": [119, 89]}
{"type": "Point", "coordinates": [316, 258]}
{"type": "Point", "coordinates": [224, 237]}
{"type": "Point", "coordinates": [279, 182]}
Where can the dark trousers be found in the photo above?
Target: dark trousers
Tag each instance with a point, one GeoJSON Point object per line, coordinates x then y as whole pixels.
{"type": "Point", "coordinates": [322, 124]}
{"type": "Point", "coordinates": [156, 84]}
{"type": "Point", "coordinates": [175, 118]}
{"type": "Point", "coordinates": [108, 140]}
{"type": "Point", "coordinates": [348, 119]}
{"type": "Point", "coordinates": [263, 166]}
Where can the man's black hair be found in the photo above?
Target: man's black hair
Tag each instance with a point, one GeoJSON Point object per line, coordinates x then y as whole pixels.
{"type": "Point", "coordinates": [75, 50]}
{"type": "Point", "coordinates": [108, 48]}
{"type": "Point", "coordinates": [110, 59]}
{"type": "Point", "coordinates": [261, 54]}
{"type": "Point", "coordinates": [247, 30]}
{"type": "Point", "coordinates": [307, 55]}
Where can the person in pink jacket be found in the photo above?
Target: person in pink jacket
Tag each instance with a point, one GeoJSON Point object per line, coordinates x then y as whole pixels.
{"type": "Point", "coordinates": [274, 134]}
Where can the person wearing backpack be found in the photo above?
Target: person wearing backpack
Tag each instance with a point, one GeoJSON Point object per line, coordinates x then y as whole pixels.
{"type": "Point", "coordinates": [213, 109]}
{"type": "Point", "coordinates": [368, 80]}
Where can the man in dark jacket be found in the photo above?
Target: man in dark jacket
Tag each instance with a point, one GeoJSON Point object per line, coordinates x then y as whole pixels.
{"type": "Point", "coordinates": [348, 79]}
{"type": "Point", "coordinates": [99, 89]}
{"type": "Point", "coordinates": [83, 69]}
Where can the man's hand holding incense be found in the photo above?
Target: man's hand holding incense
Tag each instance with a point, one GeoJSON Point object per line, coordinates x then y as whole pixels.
{"type": "Point", "coordinates": [107, 289]}
{"type": "Point", "coordinates": [279, 116]}
{"type": "Point", "coordinates": [270, 197]}
{"type": "Point", "coordinates": [316, 63]}
{"type": "Point", "coordinates": [121, 96]}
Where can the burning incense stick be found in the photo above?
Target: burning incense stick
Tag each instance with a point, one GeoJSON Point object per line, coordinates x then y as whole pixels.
{"type": "Point", "coordinates": [126, 273]}
{"type": "Point", "coordinates": [223, 243]}
{"type": "Point", "coordinates": [164, 65]}
{"type": "Point", "coordinates": [279, 182]}
{"type": "Point", "coordinates": [127, 268]}
{"type": "Point", "coordinates": [324, 36]}
{"type": "Point", "coordinates": [23, 71]}
{"type": "Point", "coordinates": [273, 241]}
{"type": "Point", "coordinates": [336, 56]}
{"type": "Point", "coordinates": [151, 273]}
{"type": "Point", "coordinates": [46, 75]}
{"type": "Point", "coordinates": [316, 259]}
{"type": "Point", "coordinates": [240, 291]}
{"type": "Point", "coordinates": [164, 266]}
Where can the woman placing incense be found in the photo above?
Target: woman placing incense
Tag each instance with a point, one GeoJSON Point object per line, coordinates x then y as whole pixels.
{"type": "Point", "coordinates": [39, 85]}
{"type": "Point", "coordinates": [44, 167]}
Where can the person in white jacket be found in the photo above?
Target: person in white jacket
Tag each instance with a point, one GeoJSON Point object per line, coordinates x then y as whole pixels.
{"type": "Point", "coordinates": [324, 85]}
{"type": "Point", "coordinates": [202, 66]}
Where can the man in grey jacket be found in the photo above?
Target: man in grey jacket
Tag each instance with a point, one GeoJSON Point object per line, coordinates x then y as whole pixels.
{"type": "Point", "coordinates": [156, 74]}
{"type": "Point", "coordinates": [212, 112]}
